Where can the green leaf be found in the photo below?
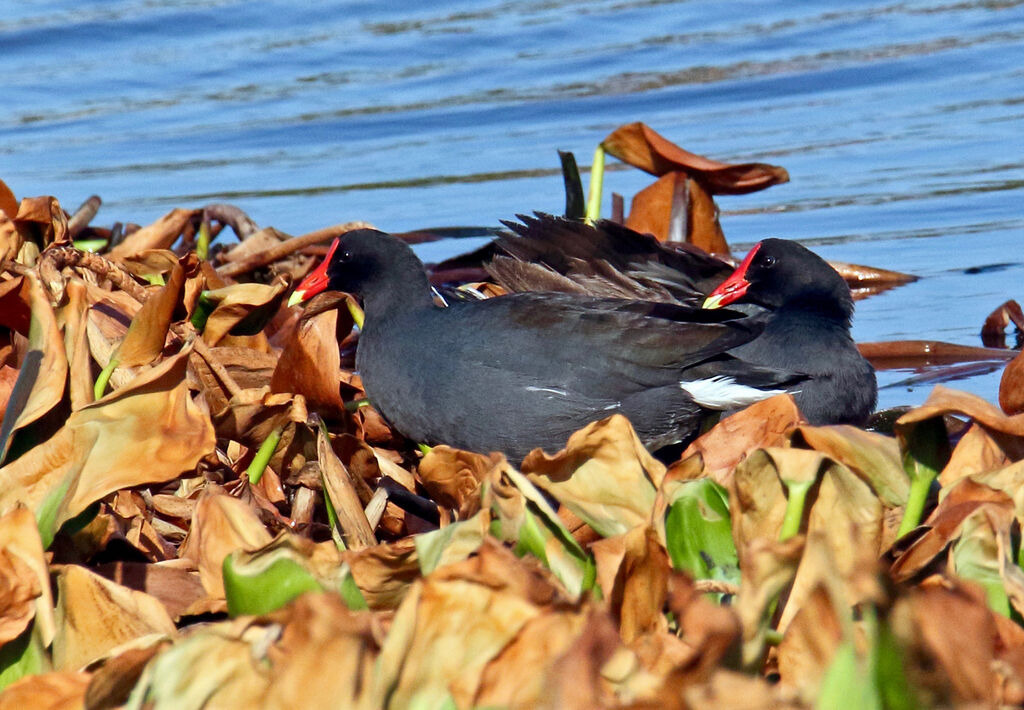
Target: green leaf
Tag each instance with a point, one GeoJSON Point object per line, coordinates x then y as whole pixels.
{"type": "Point", "coordinates": [259, 589]}
{"type": "Point", "coordinates": [698, 532]}
{"type": "Point", "coordinates": [22, 656]}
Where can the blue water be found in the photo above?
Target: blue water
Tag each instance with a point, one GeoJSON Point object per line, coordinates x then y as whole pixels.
{"type": "Point", "coordinates": [900, 123]}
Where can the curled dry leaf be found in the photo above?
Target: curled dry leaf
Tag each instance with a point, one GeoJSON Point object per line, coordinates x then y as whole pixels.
{"type": "Point", "coordinates": [95, 615]}
{"type": "Point", "coordinates": [762, 424]}
{"type": "Point", "coordinates": [677, 208]}
{"type": "Point", "coordinates": [220, 526]}
{"type": "Point", "coordinates": [145, 338]}
{"type": "Point", "coordinates": [452, 477]}
{"type": "Point", "coordinates": [642, 147]}
{"type": "Point", "coordinates": [895, 354]}
{"type": "Point", "coordinates": [310, 364]}
{"type": "Point", "coordinates": [59, 690]}
{"type": "Point", "coordinates": [1011, 386]}
{"type": "Point", "coordinates": [25, 578]}
{"type": "Point", "coordinates": [24, 308]}
{"type": "Point", "coordinates": [242, 309]}
{"type": "Point", "coordinates": [159, 235]}
{"type": "Point", "coordinates": [149, 431]}
{"type": "Point", "coordinates": [633, 571]}
{"type": "Point", "coordinates": [604, 475]}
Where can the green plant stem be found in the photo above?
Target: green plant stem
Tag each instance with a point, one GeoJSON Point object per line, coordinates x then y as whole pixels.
{"type": "Point", "coordinates": [920, 485]}
{"type": "Point", "coordinates": [104, 377]}
{"type": "Point", "coordinates": [797, 491]}
{"type": "Point", "coordinates": [90, 245]}
{"type": "Point", "coordinates": [596, 185]}
{"type": "Point", "coordinates": [203, 241]}
{"type": "Point", "coordinates": [356, 404]}
{"type": "Point", "coordinates": [259, 462]}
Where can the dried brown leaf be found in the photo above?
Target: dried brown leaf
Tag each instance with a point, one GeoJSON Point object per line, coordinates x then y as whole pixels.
{"type": "Point", "coordinates": [220, 526]}
{"type": "Point", "coordinates": [452, 477]}
{"type": "Point", "coordinates": [24, 578]}
{"type": "Point", "coordinates": [641, 147]}
{"type": "Point", "coordinates": [145, 338]}
{"type": "Point", "coordinates": [59, 690]}
{"type": "Point", "coordinates": [159, 235]}
{"type": "Point", "coordinates": [310, 364]}
{"type": "Point", "coordinates": [604, 475]}
{"type": "Point", "coordinates": [765, 423]}
{"type": "Point", "coordinates": [149, 431]}
{"type": "Point", "coordinates": [95, 615]}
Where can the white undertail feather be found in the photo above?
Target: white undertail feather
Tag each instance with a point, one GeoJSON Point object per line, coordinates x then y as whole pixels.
{"type": "Point", "coordinates": [722, 392]}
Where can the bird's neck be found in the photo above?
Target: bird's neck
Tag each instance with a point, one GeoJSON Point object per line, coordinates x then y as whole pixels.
{"type": "Point", "coordinates": [401, 294]}
{"type": "Point", "coordinates": [822, 311]}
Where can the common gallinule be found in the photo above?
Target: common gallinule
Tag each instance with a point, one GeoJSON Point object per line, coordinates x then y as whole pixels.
{"type": "Point", "coordinates": [526, 370]}
{"type": "Point", "coordinates": [803, 304]}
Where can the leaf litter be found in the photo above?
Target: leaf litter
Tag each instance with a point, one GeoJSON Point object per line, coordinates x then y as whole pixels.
{"type": "Point", "coordinates": [199, 509]}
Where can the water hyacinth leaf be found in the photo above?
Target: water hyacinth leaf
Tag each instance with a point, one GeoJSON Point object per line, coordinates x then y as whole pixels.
{"type": "Point", "coordinates": [22, 657]}
{"type": "Point", "coordinates": [99, 448]}
{"type": "Point", "coordinates": [310, 364]}
{"type": "Point", "coordinates": [473, 610]}
{"type": "Point", "coordinates": [95, 615]}
{"type": "Point", "coordinates": [604, 475]}
{"type": "Point", "coordinates": [25, 308]}
{"type": "Point", "coordinates": [221, 525]}
{"type": "Point", "coordinates": [762, 424]}
{"type": "Point", "coordinates": [873, 457]}
{"type": "Point", "coordinates": [184, 678]}
{"type": "Point", "coordinates": [145, 338]}
{"type": "Point", "coordinates": [58, 690]}
{"type": "Point", "coordinates": [520, 514]}
{"type": "Point", "coordinates": [698, 532]}
{"type": "Point", "coordinates": [266, 586]}
{"type": "Point", "coordinates": [241, 309]}
{"type": "Point", "coordinates": [976, 557]}
{"type": "Point", "coordinates": [848, 683]}
{"type": "Point", "coordinates": [451, 543]}
{"type": "Point", "coordinates": [26, 595]}
{"type": "Point", "coordinates": [924, 444]}
{"type": "Point", "coordinates": [642, 147]}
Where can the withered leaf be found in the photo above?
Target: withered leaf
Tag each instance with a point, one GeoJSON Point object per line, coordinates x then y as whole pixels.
{"type": "Point", "coordinates": [642, 147]}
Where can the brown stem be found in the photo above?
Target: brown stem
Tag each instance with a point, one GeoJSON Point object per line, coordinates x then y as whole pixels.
{"type": "Point", "coordinates": [83, 215]}
{"type": "Point", "coordinates": [279, 251]}
{"type": "Point", "coordinates": [99, 265]}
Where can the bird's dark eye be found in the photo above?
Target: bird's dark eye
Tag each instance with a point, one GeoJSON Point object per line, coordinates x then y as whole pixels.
{"type": "Point", "coordinates": [768, 261]}
{"type": "Point", "coordinates": [344, 256]}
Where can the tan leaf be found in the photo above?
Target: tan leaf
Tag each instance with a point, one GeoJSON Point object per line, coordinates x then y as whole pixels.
{"type": "Point", "coordinates": [8, 203]}
{"type": "Point", "coordinates": [59, 690]}
{"type": "Point", "coordinates": [385, 572]}
{"type": "Point", "coordinates": [635, 581]}
{"type": "Point", "coordinates": [641, 147]}
{"type": "Point", "coordinates": [25, 577]}
{"type": "Point", "coordinates": [220, 526]}
{"type": "Point", "coordinates": [873, 457]}
{"type": "Point", "coordinates": [145, 338]}
{"type": "Point", "coordinates": [175, 584]}
{"type": "Point", "coordinates": [454, 622]}
{"type": "Point", "coordinates": [765, 423]}
{"type": "Point", "coordinates": [244, 306]}
{"type": "Point", "coordinates": [604, 475]}
{"type": "Point", "coordinates": [310, 364]}
{"type": "Point", "coordinates": [159, 235]}
{"type": "Point", "coordinates": [452, 477]}
{"type": "Point", "coordinates": [25, 308]}
{"type": "Point", "coordinates": [150, 431]}
{"type": "Point", "coordinates": [319, 627]}
{"type": "Point", "coordinates": [42, 220]}
{"type": "Point", "coordinates": [1011, 387]}
{"type": "Point", "coordinates": [95, 615]}
{"type": "Point", "coordinates": [678, 208]}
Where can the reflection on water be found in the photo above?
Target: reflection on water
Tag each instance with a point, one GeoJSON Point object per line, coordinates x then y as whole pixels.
{"type": "Point", "coordinates": [899, 122]}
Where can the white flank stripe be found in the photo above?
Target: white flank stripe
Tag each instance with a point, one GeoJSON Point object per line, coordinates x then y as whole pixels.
{"type": "Point", "coordinates": [724, 393]}
{"type": "Point", "coordinates": [550, 390]}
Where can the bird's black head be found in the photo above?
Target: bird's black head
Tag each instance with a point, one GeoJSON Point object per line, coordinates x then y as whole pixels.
{"type": "Point", "coordinates": [778, 273]}
{"type": "Point", "coordinates": [371, 265]}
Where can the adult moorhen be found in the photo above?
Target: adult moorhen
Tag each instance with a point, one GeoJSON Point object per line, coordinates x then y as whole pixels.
{"type": "Point", "coordinates": [526, 370]}
{"type": "Point", "coordinates": [803, 304]}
